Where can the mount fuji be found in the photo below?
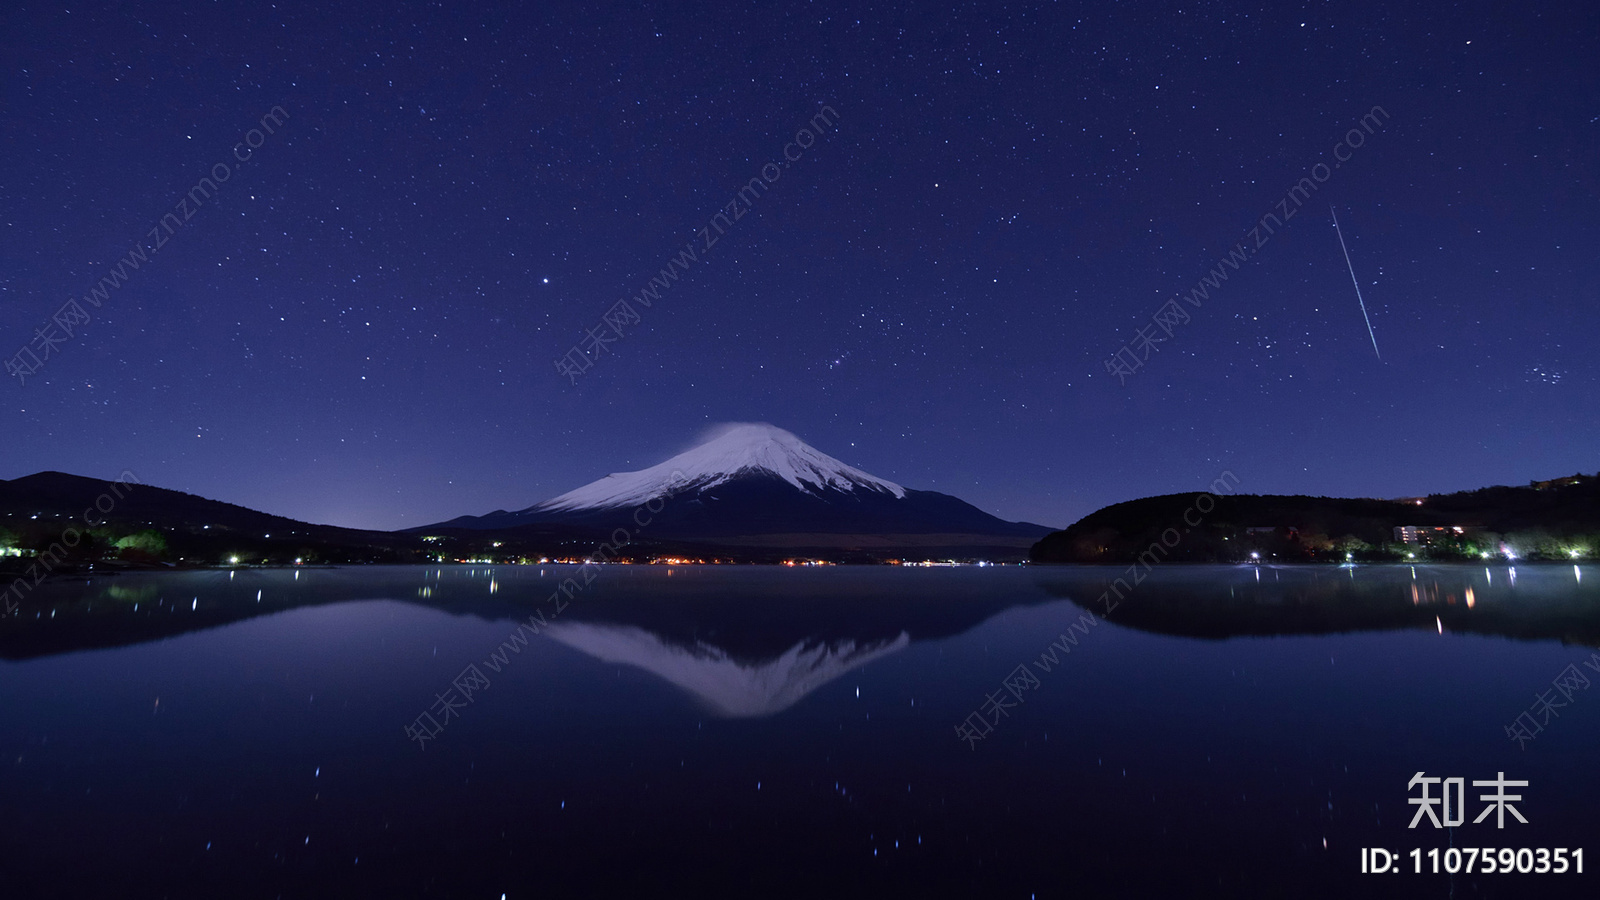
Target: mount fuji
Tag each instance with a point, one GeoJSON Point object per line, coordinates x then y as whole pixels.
{"type": "Point", "coordinates": [757, 486]}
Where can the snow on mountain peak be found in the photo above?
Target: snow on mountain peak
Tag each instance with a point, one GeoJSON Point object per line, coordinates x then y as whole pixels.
{"type": "Point", "coordinates": [737, 448]}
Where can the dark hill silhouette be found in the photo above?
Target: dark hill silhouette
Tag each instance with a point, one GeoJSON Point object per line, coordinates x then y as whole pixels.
{"type": "Point", "coordinates": [1539, 519]}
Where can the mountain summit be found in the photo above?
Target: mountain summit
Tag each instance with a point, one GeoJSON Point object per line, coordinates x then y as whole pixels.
{"type": "Point", "coordinates": [755, 486]}
{"type": "Point", "coordinates": [738, 450]}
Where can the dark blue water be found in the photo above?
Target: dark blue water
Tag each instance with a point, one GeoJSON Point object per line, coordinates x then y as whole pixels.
{"type": "Point", "coordinates": [1224, 732]}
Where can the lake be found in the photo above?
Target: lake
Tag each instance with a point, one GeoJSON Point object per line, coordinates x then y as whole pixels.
{"type": "Point", "coordinates": [829, 731]}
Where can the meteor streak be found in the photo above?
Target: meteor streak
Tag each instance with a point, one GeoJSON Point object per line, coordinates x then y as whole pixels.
{"type": "Point", "coordinates": [1355, 282]}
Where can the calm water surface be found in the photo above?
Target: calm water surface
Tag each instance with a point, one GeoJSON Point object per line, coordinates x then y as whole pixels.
{"type": "Point", "coordinates": [363, 732]}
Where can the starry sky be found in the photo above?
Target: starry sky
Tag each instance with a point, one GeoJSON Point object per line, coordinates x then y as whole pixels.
{"type": "Point", "coordinates": [362, 324]}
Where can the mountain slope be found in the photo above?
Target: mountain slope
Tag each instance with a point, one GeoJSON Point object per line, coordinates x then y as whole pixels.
{"type": "Point", "coordinates": [35, 511]}
{"type": "Point", "coordinates": [758, 485]}
{"type": "Point", "coordinates": [58, 495]}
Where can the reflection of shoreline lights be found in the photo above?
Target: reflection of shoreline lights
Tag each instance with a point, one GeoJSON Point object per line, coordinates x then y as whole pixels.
{"type": "Point", "coordinates": [1472, 599]}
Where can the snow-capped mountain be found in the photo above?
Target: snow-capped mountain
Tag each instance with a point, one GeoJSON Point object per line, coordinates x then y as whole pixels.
{"type": "Point", "coordinates": [737, 450]}
{"type": "Point", "coordinates": [756, 485]}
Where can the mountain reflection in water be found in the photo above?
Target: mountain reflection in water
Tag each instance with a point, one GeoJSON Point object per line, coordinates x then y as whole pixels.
{"type": "Point", "coordinates": [1544, 602]}
{"type": "Point", "coordinates": [743, 643]}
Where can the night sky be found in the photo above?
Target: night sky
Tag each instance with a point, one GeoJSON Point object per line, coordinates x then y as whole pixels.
{"type": "Point", "coordinates": [361, 325]}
